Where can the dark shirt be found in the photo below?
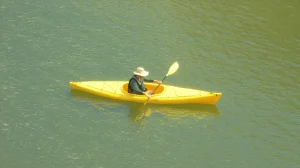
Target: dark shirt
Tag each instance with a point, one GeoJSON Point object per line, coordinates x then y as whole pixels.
{"type": "Point", "coordinates": [136, 86]}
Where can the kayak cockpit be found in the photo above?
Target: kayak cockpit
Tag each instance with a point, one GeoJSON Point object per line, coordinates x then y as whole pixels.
{"type": "Point", "coordinates": [149, 86]}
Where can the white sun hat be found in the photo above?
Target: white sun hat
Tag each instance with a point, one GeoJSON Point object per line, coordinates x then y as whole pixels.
{"type": "Point", "coordinates": [141, 72]}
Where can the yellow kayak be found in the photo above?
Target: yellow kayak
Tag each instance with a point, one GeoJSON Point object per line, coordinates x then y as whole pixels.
{"type": "Point", "coordinates": [165, 94]}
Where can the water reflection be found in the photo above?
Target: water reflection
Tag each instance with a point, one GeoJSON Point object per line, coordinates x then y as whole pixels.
{"type": "Point", "coordinates": [139, 111]}
{"type": "Point", "coordinates": [175, 112]}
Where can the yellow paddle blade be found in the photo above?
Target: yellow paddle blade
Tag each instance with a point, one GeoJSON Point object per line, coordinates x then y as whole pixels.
{"type": "Point", "coordinates": [173, 68]}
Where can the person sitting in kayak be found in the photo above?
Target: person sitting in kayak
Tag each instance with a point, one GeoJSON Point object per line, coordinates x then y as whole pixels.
{"type": "Point", "coordinates": [136, 82]}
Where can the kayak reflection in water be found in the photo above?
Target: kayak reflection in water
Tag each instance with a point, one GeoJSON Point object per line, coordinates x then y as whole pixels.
{"type": "Point", "coordinates": [138, 112]}
{"type": "Point", "coordinates": [136, 82]}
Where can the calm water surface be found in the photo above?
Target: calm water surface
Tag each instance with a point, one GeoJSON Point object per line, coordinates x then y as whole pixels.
{"type": "Point", "coordinates": [249, 51]}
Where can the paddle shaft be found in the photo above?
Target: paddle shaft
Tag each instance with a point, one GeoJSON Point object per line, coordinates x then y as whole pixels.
{"type": "Point", "coordinates": [158, 85]}
{"type": "Point", "coordinates": [172, 70]}
{"type": "Point", "coordinates": [155, 89]}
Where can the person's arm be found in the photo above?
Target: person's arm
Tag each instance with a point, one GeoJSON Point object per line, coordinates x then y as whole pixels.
{"type": "Point", "coordinates": [157, 81]}
{"type": "Point", "coordinates": [148, 80]}
{"type": "Point", "coordinates": [152, 81]}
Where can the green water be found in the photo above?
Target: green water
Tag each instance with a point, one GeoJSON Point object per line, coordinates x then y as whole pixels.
{"type": "Point", "coordinates": [249, 51]}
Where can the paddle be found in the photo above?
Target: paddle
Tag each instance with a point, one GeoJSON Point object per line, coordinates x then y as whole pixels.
{"type": "Point", "coordinates": [171, 71]}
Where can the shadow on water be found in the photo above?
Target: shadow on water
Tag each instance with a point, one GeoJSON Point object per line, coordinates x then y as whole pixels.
{"type": "Point", "coordinates": [139, 111]}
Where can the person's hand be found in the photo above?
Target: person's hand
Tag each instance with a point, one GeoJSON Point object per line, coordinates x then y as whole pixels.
{"type": "Point", "coordinates": [147, 94]}
{"type": "Point", "coordinates": [157, 81]}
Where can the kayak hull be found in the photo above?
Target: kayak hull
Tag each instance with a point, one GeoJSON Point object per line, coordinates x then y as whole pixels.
{"type": "Point", "coordinates": [165, 94]}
